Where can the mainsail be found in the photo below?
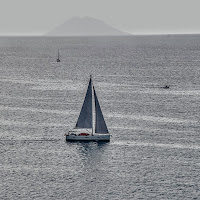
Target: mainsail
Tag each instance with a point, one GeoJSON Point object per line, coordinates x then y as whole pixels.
{"type": "Point", "coordinates": [85, 117]}
{"type": "Point", "coordinates": [100, 125]}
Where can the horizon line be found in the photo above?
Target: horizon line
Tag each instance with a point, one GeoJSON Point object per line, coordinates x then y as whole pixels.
{"type": "Point", "coordinates": [130, 34]}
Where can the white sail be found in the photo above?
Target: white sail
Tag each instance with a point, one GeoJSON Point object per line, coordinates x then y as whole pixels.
{"type": "Point", "coordinates": [100, 125]}
{"type": "Point", "coordinates": [85, 117]}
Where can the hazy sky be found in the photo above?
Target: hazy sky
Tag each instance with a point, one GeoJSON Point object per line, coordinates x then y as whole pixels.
{"type": "Point", "coordinates": [34, 17]}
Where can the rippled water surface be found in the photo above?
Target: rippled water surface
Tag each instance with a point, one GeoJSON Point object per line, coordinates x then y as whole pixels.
{"type": "Point", "coordinates": [155, 147]}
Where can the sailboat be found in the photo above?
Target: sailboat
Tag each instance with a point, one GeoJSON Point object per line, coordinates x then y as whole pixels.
{"type": "Point", "coordinates": [58, 59]}
{"type": "Point", "coordinates": [85, 120]}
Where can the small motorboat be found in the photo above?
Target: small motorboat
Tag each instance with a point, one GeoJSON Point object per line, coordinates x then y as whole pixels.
{"type": "Point", "coordinates": [166, 87]}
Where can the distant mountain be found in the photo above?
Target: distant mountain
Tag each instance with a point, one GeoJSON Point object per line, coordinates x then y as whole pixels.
{"type": "Point", "coordinates": [85, 26]}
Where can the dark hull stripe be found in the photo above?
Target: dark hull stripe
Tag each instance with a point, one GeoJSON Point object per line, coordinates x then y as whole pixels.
{"type": "Point", "coordinates": [71, 140]}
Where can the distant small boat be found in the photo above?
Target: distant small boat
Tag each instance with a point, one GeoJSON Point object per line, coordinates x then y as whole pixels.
{"type": "Point", "coordinates": [166, 87]}
{"type": "Point", "coordinates": [58, 59]}
{"type": "Point", "coordinates": [85, 120]}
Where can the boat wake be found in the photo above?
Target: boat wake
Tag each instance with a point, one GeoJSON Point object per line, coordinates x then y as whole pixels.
{"type": "Point", "coordinates": [37, 110]}
{"type": "Point", "coordinates": [29, 140]}
{"type": "Point", "coordinates": [158, 145]}
{"type": "Point", "coordinates": [30, 124]}
{"type": "Point", "coordinates": [152, 118]}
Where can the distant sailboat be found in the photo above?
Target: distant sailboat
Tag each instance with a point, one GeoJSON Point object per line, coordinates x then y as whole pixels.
{"type": "Point", "coordinates": [58, 59]}
{"type": "Point", "coordinates": [85, 120]}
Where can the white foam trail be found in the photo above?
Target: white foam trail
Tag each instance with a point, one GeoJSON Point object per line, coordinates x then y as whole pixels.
{"type": "Point", "coordinates": [108, 85]}
{"type": "Point", "coordinates": [159, 145]}
{"type": "Point", "coordinates": [151, 118]}
{"type": "Point", "coordinates": [143, 90]}
{"type": "Point", "coordinates": [33, 81]}
{"type": "Point", "coordinates": [173, 92]}
{"type": "Point", "coordinates": [18, 81]}
{"type": "Point", "coordinates": [25, 98]}
{"type": "Point", "coordinates": [37, 110]}
{"type": "Point", "coordinates": [30, 124]}
{"type": "Point", "coordinates": [47, 84]}
{"type": "Point", "coordinates": [138, 128]}
{"type": "Point", "coordinates": [194, 93]}
{"type": "Point", "coordinates": [113, 75]}
{"type": "Point", "coordinates": [57, 86]}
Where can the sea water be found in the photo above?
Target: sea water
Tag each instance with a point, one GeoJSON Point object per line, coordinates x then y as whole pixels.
{"type": "Point", "coordinates": [155, 147]}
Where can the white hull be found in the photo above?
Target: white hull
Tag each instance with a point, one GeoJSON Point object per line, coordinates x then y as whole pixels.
{"type": "Point", "coordinates": [96, 137]}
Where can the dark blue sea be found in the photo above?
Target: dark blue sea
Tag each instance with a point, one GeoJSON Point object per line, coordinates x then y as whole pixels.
{"type": "Point", "coordinates": [154, 152]}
